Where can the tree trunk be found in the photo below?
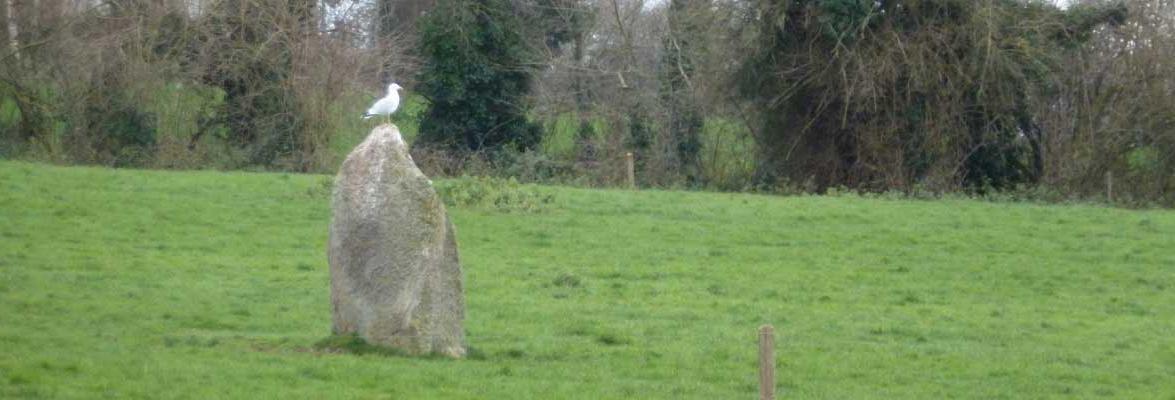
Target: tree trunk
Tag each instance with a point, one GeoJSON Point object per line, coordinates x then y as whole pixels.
{"type": "Point", "coordinates": [304, 14]}
{"type": "Point", "coordinates": [385, 23]}
{"type": "Point", "coordinates": [685, 117]}
{"type": "Point", "coordinates": [395, 23]}
{"type": "Point", "coordinates": [398, 16]}
{"type": "Point", "coordinates": [577, 79]}
{"type": "Point", "coordinates": [49, 14]}
{"type": "Point", "coordinates": [5, 41]}
{"type": "Point", "coordinates": [24, 21]}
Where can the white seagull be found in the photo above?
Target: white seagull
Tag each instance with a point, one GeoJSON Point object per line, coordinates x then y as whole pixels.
{"type": "Point", "coordinates": [387, 105]}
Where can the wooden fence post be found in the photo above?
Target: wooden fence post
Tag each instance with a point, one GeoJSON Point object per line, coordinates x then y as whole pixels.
{"type": "Point", "coordinates": [631, 170]}
{"type": "Point", "coordinates": [1110, 187]}
{"type": "Point", "coordinates": [766, 362]}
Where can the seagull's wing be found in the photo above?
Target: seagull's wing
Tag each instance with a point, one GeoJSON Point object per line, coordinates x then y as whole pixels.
{"type": "Point", "coordinates": [379, 107]}
{"type": "Point", "coordinates": [385, 106]}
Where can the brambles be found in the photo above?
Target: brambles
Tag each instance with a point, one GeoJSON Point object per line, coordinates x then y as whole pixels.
{"type": "Point", "coordinates": [506, 195]}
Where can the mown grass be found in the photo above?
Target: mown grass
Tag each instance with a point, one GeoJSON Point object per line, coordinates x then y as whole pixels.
{"type": "Point", "coordinates": [145, 284]}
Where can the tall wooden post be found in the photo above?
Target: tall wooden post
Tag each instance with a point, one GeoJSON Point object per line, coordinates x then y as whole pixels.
{"type": "Point", "coordinates": [628, 161]}
{"type": "Point", "coordinates": [1110, 187]}
{"type": "Point", "coordinates": [766, 362]}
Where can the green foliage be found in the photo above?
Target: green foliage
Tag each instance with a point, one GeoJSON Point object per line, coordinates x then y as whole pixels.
{"type": "Point", "coordinates": [589, 130]}
{"type": "Point", "coordinates": [253, 65]}
{"type": "Point", "coordinates": [184, 109]}
{"type": "Point", "coordinates": [353, 130]}
{"type": "Point", "coordinates": [534, 167]}
{"type": "Point", "coordinates": [1082, 18]}
{"type": "Point", "coordinates": [28, 106]}
{"type": "Point", "coordinates": [889, 94]}
{"type": "Point", "coordinates": [9, 113]}
{"type": "Point", "coordinates": [504, 195]}
{"type": "Point", "coordinates": [559, 136]}
{"type": "Point", "coordinates": [561, 21]}
{"type": "Point", "coordinates": [126, 131]}
{"type": "Point", "coordinates": [723, 155]}
{"type": "Point", "coordinates": [10, 141]}
{"type": "Point", "coordinates": [684, 44]}
{"type": "Point", "coordinates": [841, 20]}
{"type": "Point", "coordinates": [1144, 160]}
{"type": "Point", "coordinates": [640, 131]}
{"type": "Point", "coordinates": [260, 114]}
{"type": "Point", "coordinates": [476, 76]}
{"type": "Point", "coordinates": [217, 285]}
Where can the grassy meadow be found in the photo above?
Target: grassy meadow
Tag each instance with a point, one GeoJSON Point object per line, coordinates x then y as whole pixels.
{"type": "Point", "coordinates": [206, 285]}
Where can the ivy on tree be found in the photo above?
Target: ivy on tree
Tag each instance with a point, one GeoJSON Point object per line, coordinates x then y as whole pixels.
{"type": "Point", "coordinates": [476, 75]}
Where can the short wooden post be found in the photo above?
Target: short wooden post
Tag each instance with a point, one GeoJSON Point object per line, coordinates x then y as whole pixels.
{"type": "Point", "coordinates": [631, 170]}
{"type": "Point", "coordinates": [766, 362]}
{"type": "Point", "coordinates": [1110, 186]}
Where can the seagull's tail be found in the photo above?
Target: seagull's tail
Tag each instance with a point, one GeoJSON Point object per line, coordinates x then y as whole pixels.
{"type": "Point", "coordinates": [368, 116]}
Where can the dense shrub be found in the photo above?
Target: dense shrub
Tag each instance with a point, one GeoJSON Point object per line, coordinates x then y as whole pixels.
{"type": "Point", "coordinates": [506, 195]}
{"type": "Point", "coordinates": [890, 94]}
{"type": "Point", "coordinates": [476, 76]}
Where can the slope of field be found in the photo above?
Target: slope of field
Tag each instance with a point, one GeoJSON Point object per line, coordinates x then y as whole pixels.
{"type": "Point", "coordinates": [155, 285]}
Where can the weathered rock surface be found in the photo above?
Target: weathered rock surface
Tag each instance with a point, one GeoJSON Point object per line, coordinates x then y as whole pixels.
{"type": "Point", "coordinates": [395, 275]}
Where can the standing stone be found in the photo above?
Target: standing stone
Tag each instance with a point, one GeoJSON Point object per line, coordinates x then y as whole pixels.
{"type": "Point", "coordinates": [394, 272]}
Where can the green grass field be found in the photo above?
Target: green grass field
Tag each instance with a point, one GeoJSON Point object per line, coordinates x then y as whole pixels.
{"type": "Point", "coordinates": [206, 285]}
